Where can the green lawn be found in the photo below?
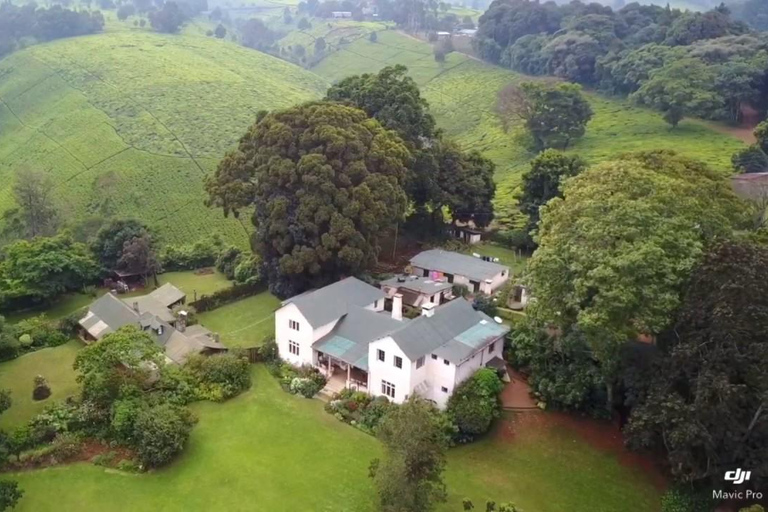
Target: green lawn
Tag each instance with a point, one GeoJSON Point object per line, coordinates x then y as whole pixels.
{"type": "Point", "coordinates": [245, 323]}
{"type": "Point", "coordinates": [193, 283]}
{"type": "Point", "coordinates": [268, 450]}
{"type": "Point", "coordinates": [516, 262]}
{"type": "Point", "coordinates": [55, 364]}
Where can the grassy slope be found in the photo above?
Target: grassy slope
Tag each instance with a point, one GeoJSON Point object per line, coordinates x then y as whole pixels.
{"type": "Point", "coordinates": [268, 450]}
{"type": "Point", "coordinates": [462, 94]}
{"type": "Point", "coordinates": [245, 323]}
{"type": "Point", "coordinates": [130, 122]}
{"type": "Point", "coordinates": [55, 364]}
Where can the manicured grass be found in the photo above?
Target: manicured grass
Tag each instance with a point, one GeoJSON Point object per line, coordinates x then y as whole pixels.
{"type": "Point", "coordinates": [55, 364]}
{"type": "Point", "coordinates": [192, 282]}
{"type": "Point", "coordinates": [268, 450]}
{"type": "Point", "coordinates": [245, 323]}
{"type": "Point", "coordinates": [130, 122]}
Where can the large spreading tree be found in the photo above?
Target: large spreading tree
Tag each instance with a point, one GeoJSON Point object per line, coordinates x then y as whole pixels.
{"type": "Point", "coordinates": [440, 174]}
{"type": "Point", "coordinates": [325, 181]}
{"type": "Point", "coordinates": [615, 252]}
{"type": "Point", "coordinates": [707, 405]}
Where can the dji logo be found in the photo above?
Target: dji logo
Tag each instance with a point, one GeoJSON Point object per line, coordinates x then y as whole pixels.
{"type": "Point", "coordinates": [738, 477]}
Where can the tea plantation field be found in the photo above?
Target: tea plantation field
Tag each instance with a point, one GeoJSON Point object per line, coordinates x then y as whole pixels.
{"type": "Point", "coordinates": [462, 94]}
{"type": "Point", "coordinates": [128, 123]}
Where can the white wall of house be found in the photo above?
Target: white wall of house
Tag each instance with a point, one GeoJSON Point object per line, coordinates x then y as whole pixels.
{"type": "Point", "coordinates": [488, 288]}
{"type": "Point", "coordinates": [478, 360]}
{"type": "Point", "coordinates": [387, 371]}
{"type": "Point", "coordinates": [305, 336]}
{"type": "Point", "coordinates": [442, 378]}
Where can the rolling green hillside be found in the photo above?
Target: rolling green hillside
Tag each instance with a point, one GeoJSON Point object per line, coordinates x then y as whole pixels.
{"type": "Point", "coordinates": [128, 123]}
{"type": "Point", "coordinates": [462, 94]}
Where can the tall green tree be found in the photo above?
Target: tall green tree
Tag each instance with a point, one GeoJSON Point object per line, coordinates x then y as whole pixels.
{"type": "Point", "coordinates": [33, 192]}
{"type": "Point", "coordinates": [325, 182]}
{"type": "Point", "coordinates": [42, 269]}
{"type": "Point", "coordinates": [615, 252]}
{"type": "Point", "coordinates": [708, 401]}
{"type": "Point", "coordinates": [392, 98]}
{"type": "Point", "coordinates": [761, 134]}
{"type": "Point", "coordinates": [680, 88]}
{"type": "Point", "coordinates": [542, 182]}
{"type": "Point", "coordinates": [410, 476]}
{"type": "Point", "coordinates": [554, 115]}
{"type": "Point", "coordinates": [110, 240]}
{"type": "Point", "coordinates": [138, 257]}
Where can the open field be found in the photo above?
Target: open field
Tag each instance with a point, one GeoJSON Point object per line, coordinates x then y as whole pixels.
{"type": "Point", "coordinates": [129, 123]}
{"type": "Point", "coordinates": [268, 450]}
{"type": "Point", "coordinates": [462, 95]}
{"type": "Point", "coordinates": [245, 323]}
{"type": "Point", "coordinates": [55, 364]}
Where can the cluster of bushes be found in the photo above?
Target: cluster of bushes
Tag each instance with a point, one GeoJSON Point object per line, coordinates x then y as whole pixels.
{"type": "Point", "coordinates": [474, 404]}
{"type": "Point", "coordinates": [30, 335]}
{"type": "Point", "coordinates": [202, 253]}
{"type": "Point", "coordinates": [129, 398]}
{"type": "Point", "coordinates": [470, 412]}
{"type": "Point", "coordinates": [239, 267]}
{"type": "Point", "coordinates": [306, 381]}
{"type": "Point", "coordinates": [359, 409]}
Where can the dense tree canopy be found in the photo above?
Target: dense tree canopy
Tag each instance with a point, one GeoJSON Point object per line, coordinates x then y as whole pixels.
{"type": "Point", "coordinates": [44, 24]}
{"type": "Point", "coordinates": [752, 12]}
{"type": "Point", "coordinates": [440, 174]}
{"type": "Point", "coordinates": [618, 50]}
{"type": "Point", "coordinates": [708, 399]}
{"type": "Point", "coordinates": [615, 252]}
{"type": "Point", "coordinates": [167, 19]}
{"type": "Point", "coordinates": [42, 269]}
{"type": "Point", "coordinates": [542, 182]}
{"type": "Point", "coordinates": [325, 180]}
{"type": "Point", "coordinates": [409, 477]}
{"type": "Point", "coordinates": [392, 98]}
{"type": "Point", "coordinates": [110, 240]}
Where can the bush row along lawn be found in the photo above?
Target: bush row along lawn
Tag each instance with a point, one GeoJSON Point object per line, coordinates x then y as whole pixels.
{"type": "Point", "coordinates": [55, 364]}
{"type": "Point", "coordinates": [269, 450]}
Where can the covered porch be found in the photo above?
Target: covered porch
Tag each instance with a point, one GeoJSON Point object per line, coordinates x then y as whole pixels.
{"type": "Point", "coordinates": [341, 374]}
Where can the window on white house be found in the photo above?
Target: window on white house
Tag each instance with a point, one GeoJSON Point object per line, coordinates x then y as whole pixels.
{"type": "Point", "coordinates": [491, 347]}
{"type": "Point", "coordinates": [380, 355]}
{"type": "Point", "coordinates": [293, 324]}
{"type": "Point", "coordinates": [446, 362]}
{"type": "Point", "coordinates": [444, 389]}
{"type": "Point", "coordinates": [398, 361]}
{"type": "Point", "coordinates": [293, 348]}
{"type": "Point", "coordinates": [434, 357]}
{"type": "Point", "coordinates": [387, 389]}
{"type": "Point", "coordinates": [420, 362]}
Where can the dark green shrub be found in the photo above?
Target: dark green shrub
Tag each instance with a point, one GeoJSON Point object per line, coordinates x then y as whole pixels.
{"type": "Point", "coordinates": [203, 253]}
{"type": "Point", "coordinates": [227, 261]}
{"type": "Point", "coordinates": [227, 295]}
{"type": "Point", "coordinates": [248, 269]}
{"type": "Point", "coordinates": [9, 348]}
{"type": "Point", "coordinates": [160, 433]}
{"type": "Point", "coordinates": [41, 389]}
{"type": "Point", "coordinates": [474, 405]}
{"type": "Point", "coordinates": [44, 332]}
{"type": "Point", "coordinates": [460, 290]}
{"type": "Point", "coordinates": [681, 499]}
{"type": "Point", "coordinates": [219, 377]}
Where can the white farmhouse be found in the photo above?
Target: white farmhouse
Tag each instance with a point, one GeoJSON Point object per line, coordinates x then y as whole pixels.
{"type": "Point", "coordinates": [475, 273]}
{"type": "Point", "coordinates": [343, 331]}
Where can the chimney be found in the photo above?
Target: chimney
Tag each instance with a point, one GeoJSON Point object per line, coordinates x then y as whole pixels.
{"type": "Point", "coordinates": [216, 337]}
{"type": "Point", "coordinates": [136, 306]}
{"type": "Point", "coordinates": [428, 309]}
{"type": "Point", "coordinates": [181, 321]}
{"type": "Point", "coordinates": [397, 306]}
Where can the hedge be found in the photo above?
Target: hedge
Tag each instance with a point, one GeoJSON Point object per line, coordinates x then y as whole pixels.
{"type": "Point", "coordinates": [227, 295]}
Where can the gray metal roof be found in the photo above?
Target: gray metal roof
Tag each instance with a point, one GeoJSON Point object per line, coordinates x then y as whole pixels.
{"type": "Point", "coordinates": [350, 337]}
{"type": "Point", "coordinates": [331, 302]}
{"type": "Point", "coordinates": [107, 314]}
{"type": "Point", "coordinates": [417, 284]}
{"type": "Point", "coordinates": [148, 304]}
{"type": "Point", "coordinates": [167, 295]}
{"type": "Point", "coordinates": [457, 264]}
{"type": "Point", "coordinates": [454, 332]}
